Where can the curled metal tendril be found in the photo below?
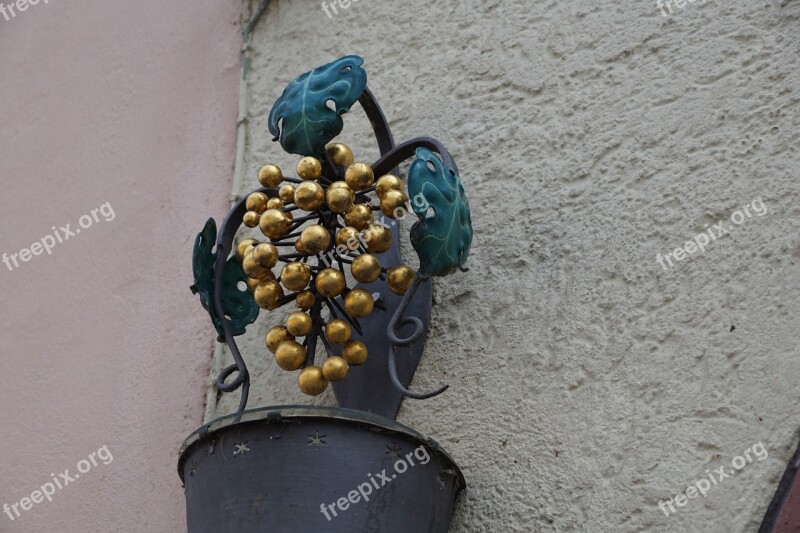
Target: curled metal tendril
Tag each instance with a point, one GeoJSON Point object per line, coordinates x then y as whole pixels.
{"type": "Point", "coordinates": [242, 378]}
{"type": "Point", "coordinates": [393, 333]}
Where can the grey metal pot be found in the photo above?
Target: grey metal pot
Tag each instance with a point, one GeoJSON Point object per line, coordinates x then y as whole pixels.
{"type": "Point", "coordinates": [295, 469]}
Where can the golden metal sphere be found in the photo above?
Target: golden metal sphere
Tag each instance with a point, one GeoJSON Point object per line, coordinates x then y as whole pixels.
{"type": "Point", "coordinates": [359, 216]}
{"type": "Point", "coordinates": [359, 176]}
{"type": "Point", "coordinates": [286, 193]}
{"type": "Point", "coordinates": [309, 196]}
{"type": "Point", "coordinates": [295, 276]}
{"type": "Point", "coordinates": [330, 283]}
{"type": "Point", "coordinates": [265, 255]}
{"type": "Point", "coordinates": [315, 239]}
{"type": "Point", "coordinates": [348, 236]}
{"type": "Point", "coordinates": [257, 201]}
{"type": "Point", "coordinates": [244, 247]}
{"type": "Point", "coordinates": [366, 268]}
{"type": "Point", "coordinates": [355, 352]}
{"type": "Point", "coordinates": [399, 278]}
{"type": "Point", "coordinates": [268, 295]}
{"type": "Point", "coordinates": [270, 176]}
{"type": "Point", "coordinates": [274, 203]}
{"type": "Point", "coordinates": [358, 303]}
{"type": "Point", "coordinates": [339, 198]}
{"type": "Point", "coordinates": [275, 336]}
{"type": "Point", "coordinates": [290, 355]}
{"type": "Point", "coordinates": [301, 249]}
{"type": "Point", "coordinates": [251, 219]}
{"type": "Point", "coordinates": [305, 300]}
{"type": "Point", "coordinates": [312, 381]}
{"type": "Point", "coordinates": [253, 269]}
{"type": "Point", "coordinates": [388, 183]}
{"type": "Point", "coordinates": [379, 239]}
{"type": "Point", "coordinates": [335, 368]}
{"type": "Point", "coordinates": [299, 324]}
{"type": "Point", "coordinates": [309, 168]}
{"type": "Point", "coordinates": [393, 200]}
{"type": "Point", "coordinates": [274, 223]}
{"type": "Point", "coordinates": [253, 283]}
{"type": "Point", "coordinates": [340, 154]}
{"type": "Point", "coordinates": [338, 331]}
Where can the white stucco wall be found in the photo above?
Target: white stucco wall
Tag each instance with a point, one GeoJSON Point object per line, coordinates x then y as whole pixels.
{"type": "Point", "coordinates": [587, 382]}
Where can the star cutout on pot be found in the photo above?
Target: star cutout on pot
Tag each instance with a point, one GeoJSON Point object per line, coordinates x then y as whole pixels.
{"type": "Point", "coordinates": [393, 450]}
{"type": "Point", "coordinates": [317, 440]}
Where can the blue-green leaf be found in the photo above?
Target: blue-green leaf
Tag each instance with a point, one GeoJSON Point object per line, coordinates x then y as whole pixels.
{"type": "Point", "coordinates": [239, 305]}
{"type": "Point", "coordinates": [442, 241]}
{"type": "Point", "coordinates": [301, 119]}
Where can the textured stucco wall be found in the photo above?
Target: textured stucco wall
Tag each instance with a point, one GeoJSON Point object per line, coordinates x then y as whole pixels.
{"type": "Point", "coordinates": [587, 383]}
{"type": "Point", "coordinates": [134, 104]}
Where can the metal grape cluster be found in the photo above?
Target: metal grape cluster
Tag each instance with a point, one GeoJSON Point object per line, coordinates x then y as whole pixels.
{"type": "Point", "coordinates": [321, 225]}
{"type": "Point", "coordinates": [317, 230]}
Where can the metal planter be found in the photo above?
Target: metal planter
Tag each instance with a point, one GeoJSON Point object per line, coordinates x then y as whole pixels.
{"type": "Point", "coordinates": [316, 469]}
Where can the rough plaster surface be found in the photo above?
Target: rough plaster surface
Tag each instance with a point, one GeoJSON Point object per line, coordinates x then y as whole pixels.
{"type": "Point", "coordinates": [587, 383]}
{"type": "Point", "coordinates": [103, 344]}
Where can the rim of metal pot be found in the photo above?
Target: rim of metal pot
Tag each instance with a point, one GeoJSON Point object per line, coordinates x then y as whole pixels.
{"type": "Point", "coordinates": [279, 413]}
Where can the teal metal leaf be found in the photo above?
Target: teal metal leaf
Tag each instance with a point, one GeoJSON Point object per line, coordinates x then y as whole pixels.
{"type": "Point", "coordinates": [442, 240]}
{"type": "Point", "coordinates": [301, 119]}
{"type": "Point", "coordinates": [239, 305]}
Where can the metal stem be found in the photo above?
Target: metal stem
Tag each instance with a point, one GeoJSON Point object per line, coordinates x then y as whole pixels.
{"type": "Point", "coordinates": [393, 334]}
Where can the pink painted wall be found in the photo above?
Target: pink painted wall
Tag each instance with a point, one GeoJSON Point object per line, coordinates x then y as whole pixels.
{"type": "Point", "coordinates": [132, 104]}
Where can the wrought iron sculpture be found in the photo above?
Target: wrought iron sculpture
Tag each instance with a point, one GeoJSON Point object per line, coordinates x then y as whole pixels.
{"type": "Point", "coordinates": [323, 223]}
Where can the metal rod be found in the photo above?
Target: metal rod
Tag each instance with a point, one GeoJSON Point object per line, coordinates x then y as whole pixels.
{"type": "Point", "coordinates": [353, 321]}
{"type": "Point", "coordinates": [406, 150]}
